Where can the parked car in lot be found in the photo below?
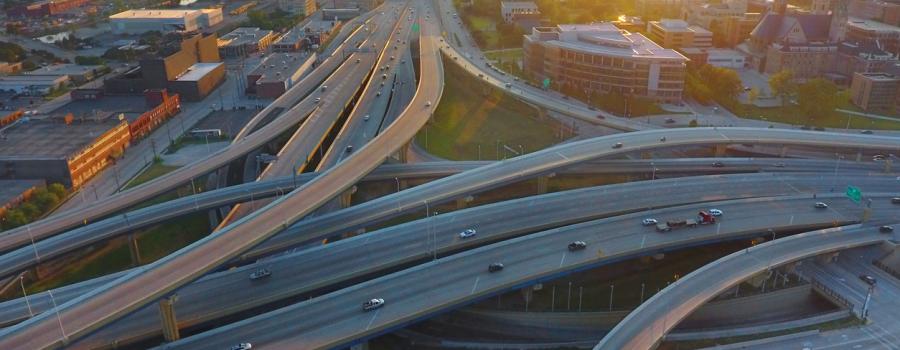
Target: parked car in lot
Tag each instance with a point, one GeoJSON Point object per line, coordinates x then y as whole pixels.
{"type": "Point", "coordinates": [821, 205]}
{"type": "Point", "coordinates": [868, 279]}
{"type": "Point", "coordinates": [495, 267]}
{"type": "Point", "coordinates": [649, 222]}
{"type": "Point", "coordinates": [577, 245]}
{"type": "Point", "coordinates": [373, 304]}
{"type": "Point", "coordinates": [259, 274]}
{"type": "Point", "coordinates": [467, 233]}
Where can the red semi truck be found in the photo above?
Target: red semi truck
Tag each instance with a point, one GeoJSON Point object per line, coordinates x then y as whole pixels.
{"type": "Point", "coordinates": [703, 218]}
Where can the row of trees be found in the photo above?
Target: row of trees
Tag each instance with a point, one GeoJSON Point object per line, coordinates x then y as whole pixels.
{"type": "Point", "coordinates": [277, 20]}
{"type": "Point", "coordinates": [41, 201]}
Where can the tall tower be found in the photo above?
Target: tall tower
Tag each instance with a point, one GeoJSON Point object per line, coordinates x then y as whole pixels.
{"type": "Point", "coordinates": [838, 21]}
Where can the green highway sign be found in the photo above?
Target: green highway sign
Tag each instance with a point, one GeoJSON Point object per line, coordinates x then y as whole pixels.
{"type": "Point", "coordinates": [415, 27]}
{"type": "Point", "coordinates": [854, 194]}
{"type": "Point", "coordinates": [546, 83]}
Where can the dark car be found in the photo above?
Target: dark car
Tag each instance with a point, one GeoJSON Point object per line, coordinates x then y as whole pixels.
{"type": "Point", "coordinates": [868, 279]}
{"type": "Point", "coordinates": [895, 200]}
{"type": "Point", "coordinates": [867, 132]}
{"type": "Point", "coordinates": [495, 267]}
{"type": "Point", "coordinates": [718, 164]}
{"type": "Point", "coordinates": [617, 145]}
{"type": "Point", "coordinates": [259, 274]}
{"type": "Point", "coordinates": [886, 229]}
{"type": "Point", "coordinates": [577, 245]}
{"type": "Point", "coordinates": [592, 108]}
{"type": "Point", "coordinates": [670, 120]}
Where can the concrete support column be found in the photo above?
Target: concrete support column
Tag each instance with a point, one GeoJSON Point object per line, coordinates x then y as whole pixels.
{"type": "Point", "coordinates": [134, 249]}
{"type": "Point", "coordinates": [858, 156]}
{"type": "Point", "coordinates": [887, 165]}
{"type": "Point", "coordinates": [827, 258]}
{"type": "Point", "coordinates": [167, 316]}
{"type": "Point", "coordinates": [402, 153]}
{"type": "Point", "coordinates": [543, 182]}
{"type": "Point", "coordinates": [720, 150]}
{"type": "Point", "coordinates": [347, 196]}
{"type": "Point", "coordinates": [784, 151]}
{"type": "Point", "coordinates": [462, 203]}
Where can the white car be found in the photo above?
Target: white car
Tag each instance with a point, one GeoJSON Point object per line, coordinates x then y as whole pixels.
{"type": "Point", "coordinates": [373, 304]}
{"type": "Point", "coordinates": [242, 346]}
{"type": "Point", "coordinates": [649, 222]}
{"type": "Point", "coordinates": [261, 273]}
{"type": "Point", "coordinates": [715, 212]}
{"type": "Point", "coordinates": [820, 205]}
{"type": "Point", "coordinates": [467, 233]}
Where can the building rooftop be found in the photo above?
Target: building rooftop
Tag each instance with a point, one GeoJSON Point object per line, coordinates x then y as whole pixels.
{"type": "Point", "coordinates": [279, 66]}
{"type": "Point", "coordinates": [50, 138]}
{"type": "Point", "coordinates": [242, 36]}
{"type": "Point", "coordinates": [198, 70]}
{"type": "Point", "coordinates": [291, 37]}
{"type": "Point", "coordinates": [528, 5]}
{"type": "Point", "coordinates": [879, 76]}
{"type": "Point", "coordinates": [710, 51]}
{"type": "Point", "coordinates": [607, 39]}
{"type": "Point", "coordinates": [12, 189]}
{"type": "Point", "coordinates": [63, 69]}
{"type": "Point", "coordinates": [677, 25]}
{"type": "Point", "coordinates": [156, 14]}
{"type": "Point", "coordinates": [871, 25]}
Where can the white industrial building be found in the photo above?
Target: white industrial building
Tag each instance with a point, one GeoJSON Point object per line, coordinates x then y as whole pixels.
{"type": "Point", "coordinates": [140, 21]}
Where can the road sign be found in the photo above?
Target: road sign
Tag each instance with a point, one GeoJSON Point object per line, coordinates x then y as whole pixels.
{"type": "Point", "coordinates": [854, 194]}
{"type": "Point", "coordinates": [546, 83]}
{"type": "Point", "coordinates": [415, 27]}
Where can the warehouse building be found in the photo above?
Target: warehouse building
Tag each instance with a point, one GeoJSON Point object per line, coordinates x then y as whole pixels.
{"type": "Point", "coordinates": [278, 73]}
{"type": "Point", "coordinates": [140, 21]}
{"type": "Point", "coordinates": [78, 74]}
{"type": "Point", "coordinates": [198, 80]}
{"type": "Point", "coordinates": [32, 85]}
{"type": "Point", "coordinates": [61, 149]}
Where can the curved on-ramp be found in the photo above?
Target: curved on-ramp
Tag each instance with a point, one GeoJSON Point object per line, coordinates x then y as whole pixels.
{"type": "Point", "coordinates": [644, 327]}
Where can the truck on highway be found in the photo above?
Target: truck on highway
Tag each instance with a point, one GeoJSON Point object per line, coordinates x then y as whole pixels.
{"type": "Point", "coordinates": [703, 218]}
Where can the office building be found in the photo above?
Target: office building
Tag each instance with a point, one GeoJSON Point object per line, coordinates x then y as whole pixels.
{"type": "Point", "coordinates": [244, 41]}
{"type": "Point", "coordinates": [874, 91]}
{"type": "Point", "coordinates": [725, 58]}
{"type": "Point", "coordinates": [655, 9]}
{"type": "Point", "coordinates": [600, 58]}
{"type": "Point", "coordinates": [887, 12]}
{"type": "Point", "coordinates": [512, 11]}
{"type": "Point", "coordinates": [675, 33]}
{"type": "Point", "coordinates": [703, 13]}
{"type": "Point", "coordinates": [303, 8]}
{"type": "Point", "coordinates": [78, 74]}
{"type": "Point", "coordinates": [140, 21]}
{"type": "Point", "coordinates": [292, 41]}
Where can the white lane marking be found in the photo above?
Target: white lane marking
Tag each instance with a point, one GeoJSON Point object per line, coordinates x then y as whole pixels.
{"type": "Point", "coordinates": [874, 336]}
{"type": "Point", "coordinates": [718, 228]}
{"type": "Point", "coordinates": [563, 259]}
{"type": "Point", "coordinates": [792, 221]}
{"type": "Point", "coordinates": [561, 155]}
{"type": "Point", "coordinates": [373, 319]}
{"type": "Point", "coordinates": [643, 239]}
{"type": "Point", "coordinates": [476, 285]}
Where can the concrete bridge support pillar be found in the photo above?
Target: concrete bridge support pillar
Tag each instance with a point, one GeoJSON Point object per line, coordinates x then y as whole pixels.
{"type": "Point", "coordinates": [402, 153]}
{"type": "Point", "coordinates": [858, 156]}
{"type": "Point", "coordinates": [720, 150]}
{"type": "Point", "coordinates": [134, 249]}
{"type": "Point", "coordinates": [167, 316]}
{"type": "Point", "coordinates": [347, 197]}
{"type": "Point", "coordinates": [543, 182]}
{"type": "Point", "coordinates": [462, 203]}
{"type": "Point", "coordinates": [784, 151]}
{"type": "Point", "coordinates": [887, 165]}
{"type": "Point", "coordinates": [827, 258]}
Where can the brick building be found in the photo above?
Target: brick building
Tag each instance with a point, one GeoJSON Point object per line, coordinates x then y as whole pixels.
{"type": "Point", "coordinates": [46, 8]}
{"type": "Point", "coordinates": [874, 91]}
{"type": "Point", "coordinates": [675, 33]}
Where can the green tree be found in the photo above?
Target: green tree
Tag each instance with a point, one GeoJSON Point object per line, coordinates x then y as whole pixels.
{"type": "Point", "coordinates": [693, 123]}
{"type": "Point", "coordinates": [30, 210]}
{"type": "Point", "coordinates": [10, 52]}
{"type": "Point", "coordinates": [89, 61]}
{"type": "Point", "coordinates": [15, 218]}
{"type": "Point", "coordinates": [58, 189]}
{"type": "Point", "coordinates": [782, 84]}
{"type": "Point", "coordinates": [45, 200]}
{"type": "Point", "coordinates": [817, 97]}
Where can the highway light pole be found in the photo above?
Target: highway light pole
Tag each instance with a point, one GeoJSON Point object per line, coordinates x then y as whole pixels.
{"type": "Point", "coordinates": [612, 289]}
{"type": "Point", "coordinates": [398, 183]}
{"type": "Point", "coordinates": [837, 164]}
{"type": "Point", "coordinates": [58, 318]}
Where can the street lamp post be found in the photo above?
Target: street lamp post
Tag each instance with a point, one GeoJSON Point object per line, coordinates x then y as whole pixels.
{"type": "Point", "coordinates": [837, 164]}
{"type": "Point", "coordinates": [398, 183]}
{"type": "Point", "coordinates": [27, 303]}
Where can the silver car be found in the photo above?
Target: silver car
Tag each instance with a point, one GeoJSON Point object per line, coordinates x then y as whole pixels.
{"type": "Point", "coordinates": [467, 233]}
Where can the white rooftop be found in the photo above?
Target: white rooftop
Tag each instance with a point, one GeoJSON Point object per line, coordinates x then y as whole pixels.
{"type": "Point", "coordinates": [677, 25]}
{"type": "Point", "coordinates": [198, 70]}
{"type": "Point", "coordinates": [162, 14]}
{"type": "Point", "coordinates": [530, 5]}
{"type": "Point", "coordinates": [607, 39]}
